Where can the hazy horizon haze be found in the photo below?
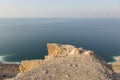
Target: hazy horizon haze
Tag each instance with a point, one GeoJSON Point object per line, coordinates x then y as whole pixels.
{"type": "Point", "coordinates": [59, 8]}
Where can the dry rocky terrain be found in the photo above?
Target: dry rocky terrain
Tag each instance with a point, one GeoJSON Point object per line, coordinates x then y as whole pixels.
{"type": "Point", "coordinates": [66, 62]}
{"type": "Point", "coordinates": [8, 70]}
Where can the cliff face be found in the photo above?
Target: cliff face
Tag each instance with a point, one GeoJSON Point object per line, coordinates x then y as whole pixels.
{"type": "Point", "coordinates": [28, 65]}
{"type": "Point", "coordinates": [116, 68]}
{"type": "Point", "coordinates": [66, 62]}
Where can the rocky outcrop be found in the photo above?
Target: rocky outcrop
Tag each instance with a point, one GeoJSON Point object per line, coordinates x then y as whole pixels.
{"type": "Point", "coordinates": [28, 65]}
{"type": "Point", "coordinates": [60, 50]}
{"type": "Point", "coordinates": [116, 67]}
{"type": "Point", "coordinates": [66, 62]}
{"type": "Point", "coordinates": [54, 50]}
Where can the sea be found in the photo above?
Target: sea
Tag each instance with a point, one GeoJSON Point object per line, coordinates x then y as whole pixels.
{"type": "Point", "coordinates": [27, 38]}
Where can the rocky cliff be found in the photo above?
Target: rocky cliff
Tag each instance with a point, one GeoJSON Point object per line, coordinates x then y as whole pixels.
{"type": "Point", "coordinates": [116, 68]}
{"type": "Point", "coordinates": [66, 62]}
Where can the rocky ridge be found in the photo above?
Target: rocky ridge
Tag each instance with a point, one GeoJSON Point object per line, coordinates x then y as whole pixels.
{"type": "Point", "coordinates": [66, 62]}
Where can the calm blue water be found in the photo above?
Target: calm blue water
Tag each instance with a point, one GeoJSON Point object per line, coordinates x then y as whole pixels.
{"type": "Point", "coordinates": [27, 38]}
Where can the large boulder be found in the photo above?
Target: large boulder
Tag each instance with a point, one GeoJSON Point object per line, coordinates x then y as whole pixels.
{"type": "Point", "coordinates": [59, 50]}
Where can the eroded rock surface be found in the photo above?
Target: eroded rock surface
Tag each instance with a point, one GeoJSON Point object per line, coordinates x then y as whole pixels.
{"type": "Point", "coordinates": [28, 65]}
{"type": "Point", "coordinates": [66, 62]}
{"type": "Point", "coordinates": [8, 70]}
{"type": "Point", "coordinates": [116, 68]}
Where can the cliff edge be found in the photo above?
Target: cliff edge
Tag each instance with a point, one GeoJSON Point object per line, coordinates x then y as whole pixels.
{"type": "Point", "coordinates": [65, 62]}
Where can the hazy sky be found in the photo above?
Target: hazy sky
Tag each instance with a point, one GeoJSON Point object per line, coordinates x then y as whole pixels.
{"type": "Point", "coordinates": [59, 8]}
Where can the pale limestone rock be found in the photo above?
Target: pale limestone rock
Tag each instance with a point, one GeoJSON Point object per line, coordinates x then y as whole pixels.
{"type": "Point", "coordinates": [74, 51]}
{"type": "Point", "coordinates": [65, 62]}
{"type": "Point", "coordinates": [88, 53]}
{"type": "Point", "coordinates": [61, 50]}
{"type": "Point", "coordinates": [81, 50]}
{"type": "Point", "coordinates": [54, 50]}
{"type": "Point", "coordinates": [28, 65]}
{"type": "Point", "coordinates": [116, 65]}
{"type": "Point", "coordinates": [117, 59]}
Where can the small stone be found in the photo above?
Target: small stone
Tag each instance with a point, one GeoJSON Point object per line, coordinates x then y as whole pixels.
{"type": "Point", "coordinates": [67, 76]}
{"type": "Point", "coordinates": [4, 75]}
{"type": "Point", "coordinates": [75, 65]}
{"type": "Point", "coordinates": [45, 72]}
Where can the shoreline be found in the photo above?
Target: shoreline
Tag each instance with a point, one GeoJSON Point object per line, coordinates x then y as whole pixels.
{"type": "Point", "coordinates": [116, 58]}
{"type": "Point", "coordinates": [6, 62]}
{"type": "Point", "coordinates": [8, 69]}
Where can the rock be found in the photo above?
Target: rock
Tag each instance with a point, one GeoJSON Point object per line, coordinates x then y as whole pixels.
{"type": "Point", "coordinates": [88, 53]}
{"type": "Point", "coordinates": [67, 75]}
{"type": "Point", "coordinates": [116, 67]}
{"type": "Point", "coordinates": [57, 50]}
{"type": "Point", "coordinates": [8, 70]}
{"type": "Point", "coordinates": [45, 72]}
{"type": "Point", "coordinates": [52, 49]}
{"type": "Point", "coordinates": [74, 51]}
{"type": "Point", "coordinates": [28, 65]}
{"type": "Point", "coordinates": [66, 62]}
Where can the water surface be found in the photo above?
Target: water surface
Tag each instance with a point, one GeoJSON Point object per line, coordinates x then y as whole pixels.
{"type": "Point", "coordinates": [26, 38]}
